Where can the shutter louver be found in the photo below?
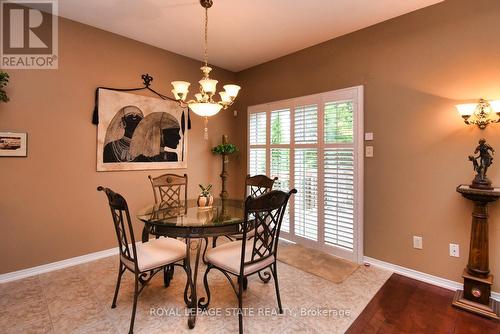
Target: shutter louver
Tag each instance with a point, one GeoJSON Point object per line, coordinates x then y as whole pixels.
{"type": "Point", "coordinates": [306, 199]}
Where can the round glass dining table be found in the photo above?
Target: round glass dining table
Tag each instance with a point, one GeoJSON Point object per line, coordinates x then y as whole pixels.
{"type": "Point", "coordinates": [191, 222]}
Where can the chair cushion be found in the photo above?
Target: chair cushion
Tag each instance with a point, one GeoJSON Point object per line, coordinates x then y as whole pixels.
{"type": "Point", "coordinates": [228, 257]}
{"type": "Point", "coordinates": [156, 253]}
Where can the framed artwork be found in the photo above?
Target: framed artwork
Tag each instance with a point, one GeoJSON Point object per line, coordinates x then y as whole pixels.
{"type": "Point", "coordinates": [138, 132]}
{"type": "Point", "coordinates": [13, 144]}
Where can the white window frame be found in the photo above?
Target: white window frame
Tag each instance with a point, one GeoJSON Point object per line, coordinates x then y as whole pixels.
{"type": "Point", "coordinates": [353, 93]}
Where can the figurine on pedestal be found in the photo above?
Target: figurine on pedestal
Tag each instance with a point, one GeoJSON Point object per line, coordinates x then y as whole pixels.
{"type": "Point", "coordinates": [481, 181]}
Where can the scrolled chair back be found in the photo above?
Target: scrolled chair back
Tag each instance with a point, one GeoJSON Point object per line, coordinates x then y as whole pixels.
{"type": "Point", "coordinates": [264, 214]}
{"type": "Point", "coordinates": [122, 223]}
{"type": "Point", "coordinates": [170, 190]}
{"type": "Point", "coordinates": [258, 185]}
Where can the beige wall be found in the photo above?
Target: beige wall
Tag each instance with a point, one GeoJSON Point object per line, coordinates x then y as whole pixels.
{"type": "Point", "coordinates": [415, 68]}
{"type": "Point", "coordinates": [49, 207]}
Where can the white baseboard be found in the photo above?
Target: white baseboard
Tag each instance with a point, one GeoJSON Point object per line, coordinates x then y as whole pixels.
{"type": "Point", "coordinates": [427, 278]}
{"type": "Point", "coordinates": [15, 275]}
{"type": "Point", "coordinates": [420, 276]}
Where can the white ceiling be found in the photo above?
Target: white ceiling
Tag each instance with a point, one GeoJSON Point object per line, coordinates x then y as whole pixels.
{"type": "Point", "coordinates": [242, 33]}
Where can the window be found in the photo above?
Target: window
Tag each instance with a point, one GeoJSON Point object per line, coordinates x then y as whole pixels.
{"type": "Point", "coordinates": [311, 144]}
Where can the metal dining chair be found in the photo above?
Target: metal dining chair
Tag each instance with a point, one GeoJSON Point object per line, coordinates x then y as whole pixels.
{"type": "Point", "coordinates": [171, 191]}
{"type": "Point", "coordinates": [144, 260]}
{"type": "Point", "coordinates": [247, 257]}
{"type": "Point", "coordinates": [255, 186]}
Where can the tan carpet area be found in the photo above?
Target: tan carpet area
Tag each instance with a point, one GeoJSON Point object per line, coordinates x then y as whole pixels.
{"type": "Point", "coordinates": [78, 299]}
{"type": "Point", "coordinates": [329, 267]}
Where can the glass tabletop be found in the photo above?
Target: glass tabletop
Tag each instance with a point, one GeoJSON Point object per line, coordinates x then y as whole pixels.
{"type": "Point", "coordinates": [164, 215]}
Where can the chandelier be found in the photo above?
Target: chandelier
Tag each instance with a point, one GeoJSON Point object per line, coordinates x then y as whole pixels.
{"type": "Point", "coordinates": [204, 104]}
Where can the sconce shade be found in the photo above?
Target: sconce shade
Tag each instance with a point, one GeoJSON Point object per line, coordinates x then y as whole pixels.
{"type": "Point", "coordinates": [495, 106]}
{"type": "Point", "coordinates": [466, 109]}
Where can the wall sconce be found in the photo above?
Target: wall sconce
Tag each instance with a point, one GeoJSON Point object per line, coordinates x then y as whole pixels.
{"type": "Point", "coordinates": [481, 114]}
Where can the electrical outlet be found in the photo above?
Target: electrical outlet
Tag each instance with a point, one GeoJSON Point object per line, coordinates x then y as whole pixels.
{"type": "Point", "coordinates": [454, 250]}
{"type": "Point", "coordinates": [417, 242]}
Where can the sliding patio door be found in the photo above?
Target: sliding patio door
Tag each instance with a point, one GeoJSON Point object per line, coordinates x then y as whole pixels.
{"type": "Point", "coordinates": [314, 144]}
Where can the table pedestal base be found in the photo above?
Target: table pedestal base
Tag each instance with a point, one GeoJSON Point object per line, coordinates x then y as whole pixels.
{"type": "Point", "coordinates": [476, 296]}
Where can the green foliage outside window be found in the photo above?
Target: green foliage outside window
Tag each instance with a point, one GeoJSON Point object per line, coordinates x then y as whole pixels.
{"type": "Point", "coordinates": [276, 131]}
{"type": "Point", "coordinates": [339, 122]}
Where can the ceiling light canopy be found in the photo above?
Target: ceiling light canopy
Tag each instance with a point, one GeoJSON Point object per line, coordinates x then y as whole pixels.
{"type": "Point", "coordinates": [204, 103]}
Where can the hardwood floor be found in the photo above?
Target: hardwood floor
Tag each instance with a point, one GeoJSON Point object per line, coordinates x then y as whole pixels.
{"type": "Point", "coordinates": [404, 305]}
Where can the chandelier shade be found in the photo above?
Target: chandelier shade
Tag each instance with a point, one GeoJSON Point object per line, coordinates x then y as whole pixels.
{"type": "Point", "coordinates": [205, 109]}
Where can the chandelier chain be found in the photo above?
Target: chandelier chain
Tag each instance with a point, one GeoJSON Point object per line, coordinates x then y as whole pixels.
{"type": "Point", "coordinates": [206, 36]}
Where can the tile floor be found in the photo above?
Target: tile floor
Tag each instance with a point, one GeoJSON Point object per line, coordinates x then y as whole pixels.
{"type": "Point", "coordinates": [78, 299]}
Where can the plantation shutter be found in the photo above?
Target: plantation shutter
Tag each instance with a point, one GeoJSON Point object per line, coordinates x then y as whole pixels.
{"type": "Point", "coordinates": [339, 174]}
{"type": "Point", "coordinates": [339, 197]}
{"type": "Point", "coordinates": [338, 122]}
{"type": "Point", "coordinates": [280, 168]}
{"type": "Point", "coordinates": [257, 137]}
{"type": "Point", "coordinates": [306, 199]}
{"type": "Point", "coordinates": [280, 126]}
{"type": "Point", "coordinates": [314, 144]}
{"type": "Point", "coordinates": [306, 171]}
{"type": "Point", "coordinates": [306, 124]}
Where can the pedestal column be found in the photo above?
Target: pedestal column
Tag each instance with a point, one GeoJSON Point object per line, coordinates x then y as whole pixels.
{"type": "Point", "coordinates": [478, 252]}
{"type": "Point", "coordinates": [475, 297]}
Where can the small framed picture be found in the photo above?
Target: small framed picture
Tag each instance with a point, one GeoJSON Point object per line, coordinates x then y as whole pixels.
{"type": "Point", "coordinates": [13, 144]}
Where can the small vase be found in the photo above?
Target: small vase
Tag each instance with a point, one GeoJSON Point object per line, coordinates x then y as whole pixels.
{"type": "Point", "coordinates": [205, 201]}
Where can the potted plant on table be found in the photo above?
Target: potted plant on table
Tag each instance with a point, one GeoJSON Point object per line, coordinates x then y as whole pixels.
{"type": "Point", "coordinates": [205, 199]}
